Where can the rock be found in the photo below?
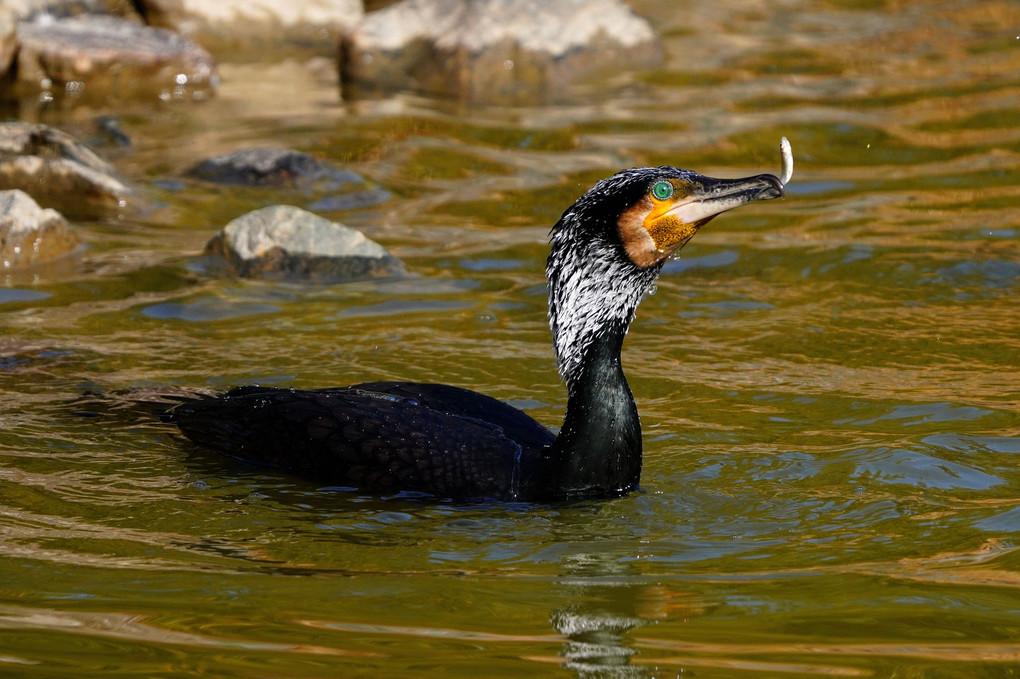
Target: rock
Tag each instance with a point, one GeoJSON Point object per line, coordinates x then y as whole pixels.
{"type": "Point", "coordinates": [98, 58]}
{"type": "Point", "coordinates": [8, 39]}
{"type": "Point", "coordinates": [109, 132]}
{"type": "Point", "coordinates": [28, 9]}
{"type": "Point", "coordinates": [494, 51]}
{"type": "Point", "coordinates": [265, 166]}
{"type": "Point", "coordinates": [282, 242]}
{"type": "Point", "coordinates": [245, 21]}
{"type": "Point", "coordinates": [30, 234]}
{"type": "Point", "coordinates": [59, 172]}
{"type": "Point", "coordinates": [276, 167]}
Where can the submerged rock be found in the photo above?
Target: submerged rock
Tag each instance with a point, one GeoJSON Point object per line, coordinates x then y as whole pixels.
{"type": "Point", "coordinates": [501, 51]}
{"type": "Point", "coordinates": [30, 234]}
{"type": "Point", "coordinates": [282, 242]}
{"type": "Point", "coordinates": [339, 189]}
{"type": "Point", "coordinates": [265, 166]}
{"type": "Point", "coordinates": [102, 57]}
{"type": "Point", "coordinates": [109, 132]}
{"type": "Point", "coordinates": [59, 172]}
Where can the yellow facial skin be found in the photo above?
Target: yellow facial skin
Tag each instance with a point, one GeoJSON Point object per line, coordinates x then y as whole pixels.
{"type": "Point", "coordinates": [651, 229]}
{"type": "Point", "coordinates": [667, 231]}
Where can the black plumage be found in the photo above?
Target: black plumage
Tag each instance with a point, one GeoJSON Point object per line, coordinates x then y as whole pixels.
{"type": "Point", "coordinates": [387, 436]}
{"type": "Point", "coordinates": [606, 252]}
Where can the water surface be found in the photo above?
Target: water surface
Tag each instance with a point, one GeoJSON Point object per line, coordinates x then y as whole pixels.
{"type": "Point", "coordinates": [828, 384]}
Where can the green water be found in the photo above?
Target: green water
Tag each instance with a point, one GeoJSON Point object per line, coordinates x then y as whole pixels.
{"type": "Point", "coordinates": [828, 384]}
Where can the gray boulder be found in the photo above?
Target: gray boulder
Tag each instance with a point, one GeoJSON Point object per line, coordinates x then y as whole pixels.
{"type": "Point", "coordinates": [59, 172]}
{"type": "Point", "coordinates": [494, 51]}
{"type": "Point", "coordinates": [98, 58]}
{"type": "Point", "coordinates": [30, 234]}
{"type": "Point", "coordinates": [282, 242]}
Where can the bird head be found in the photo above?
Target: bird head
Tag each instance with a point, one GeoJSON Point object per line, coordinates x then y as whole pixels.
{"type": "Point", "coordinates": [652, 212]}
{"type": "Point", "coordinates": [610, 245]}
{"type": "Point", "coordinates": [676, 203]}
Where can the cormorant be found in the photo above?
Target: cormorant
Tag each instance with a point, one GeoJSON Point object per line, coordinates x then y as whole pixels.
{"type": "Point", "coordinates": [606, 252]}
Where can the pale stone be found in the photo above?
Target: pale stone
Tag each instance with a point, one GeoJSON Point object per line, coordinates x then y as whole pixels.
{"type": "Point", "coordinates": [59, 172]}
{"type": "Point", "coordinates": [298, 232]}
{"type": "Point", "coordinates": [30, 234]}
{"type": "Point", "coordinates": [286, 12]}
{"type": "Point", "coordinates": [8, 38]}
{"type": "Point", "coordinates": [494, 51]}
{"type": "Point", "coordinates": [234, 20]}
{"type": "Point", "coordinates": [286, 242]}
{"type": "Point", "coordinates": [554, 28]}
{"type": "Point", "coordinates": [102, 57]}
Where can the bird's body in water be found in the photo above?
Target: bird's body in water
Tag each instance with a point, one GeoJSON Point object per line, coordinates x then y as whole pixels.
{"type": "Point", "coordinates": [606, 252]}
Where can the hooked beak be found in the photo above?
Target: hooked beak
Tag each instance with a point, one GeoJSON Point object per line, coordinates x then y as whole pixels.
{"type": "Point", "coordinates": [710, 197]}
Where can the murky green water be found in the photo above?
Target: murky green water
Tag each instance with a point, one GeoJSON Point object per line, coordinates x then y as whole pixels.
{"type": "Point", "coordinates": [828, 384]}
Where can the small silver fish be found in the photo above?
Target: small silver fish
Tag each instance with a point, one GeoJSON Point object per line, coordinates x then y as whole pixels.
{"type": "Point", "coordinates": [786, 153]}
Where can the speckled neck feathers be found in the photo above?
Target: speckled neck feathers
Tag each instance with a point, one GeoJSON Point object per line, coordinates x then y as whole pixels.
{"type": "Point", "coordinates": [594, 288]}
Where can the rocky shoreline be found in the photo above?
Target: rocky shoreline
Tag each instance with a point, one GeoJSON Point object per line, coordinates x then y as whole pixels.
{"type": "Point", "coordinates": [102, 54]}
{"type": "Point", "coordinates": [484, 51]}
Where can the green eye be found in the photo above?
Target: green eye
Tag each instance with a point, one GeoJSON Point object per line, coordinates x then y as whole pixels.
{"type": "Point", "coordinates": [662, 190]}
